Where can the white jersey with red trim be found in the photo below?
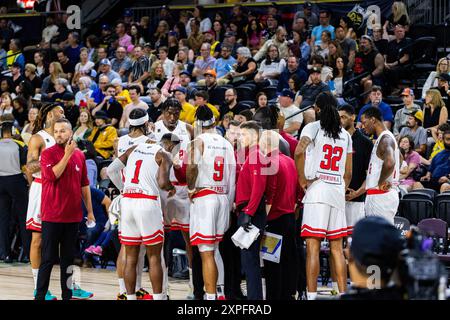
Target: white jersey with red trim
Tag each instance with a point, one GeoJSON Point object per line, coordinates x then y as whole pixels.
{"type": "Point", "coordinates": [49, 141]}
{"type": "Point", "coordinates": [325, 160]}
{"type": "Point", "coordinates": [126, 142]}
{"type": "Point", "coordinates": [217, 165]}
{"type": "Point", "coordinates": [376, 165]}
{"type": "Point", "coordinates": [141, 170]}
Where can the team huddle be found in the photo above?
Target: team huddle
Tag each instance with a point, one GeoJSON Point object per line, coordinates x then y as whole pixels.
{"type": "Point", "coordinates": [173, 176]}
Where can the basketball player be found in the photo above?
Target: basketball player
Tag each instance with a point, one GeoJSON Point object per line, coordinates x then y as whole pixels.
{"type": "Point", "coordinates": [176, 208]}
{"type": "Point", "coordinates": [141, 219]}
{"type": "Point", "coordinates": [384, 168]}
{"type": "Point", "coordinates": [138, 134]}
{"type": "Point", "coordinates": [210, 174]}
{"type": "Point", "coordinates": [42, 138]}
{"type": "Point", "coordinates": [324, 163]}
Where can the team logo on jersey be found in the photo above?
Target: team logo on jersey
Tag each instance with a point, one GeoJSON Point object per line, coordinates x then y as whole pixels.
{"type": "Point", "coordinates": [76, 168]}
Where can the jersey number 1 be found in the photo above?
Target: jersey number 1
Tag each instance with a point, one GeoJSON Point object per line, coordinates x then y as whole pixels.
{"type": "Point", "coordinates": [138, 165]}
{"type": "Point", "coordinates": [218, 168]}
{"type": "Point", "coordinates": [331, 158]}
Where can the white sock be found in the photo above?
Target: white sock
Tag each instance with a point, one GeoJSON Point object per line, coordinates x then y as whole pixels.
{"type": "Point", "coordinates": [122, 288]}
{"type": "Point", "coordinates": [131, 296]}
{"type": "Point", "coordinates": [35, 275]}
{"type": "Point", "coordinates": [191, 283]}
{"type": "Point", "coordinates": [311, 295]}
{"type": "Point", "coordinates": [263, 280]}
{"type": "Point", "coordinates": [210, 296]}
{"type": "Point", "coordinates": [335, 286]}
{"type": "Point", "coordinates": [220, 271]}
{"type": "Point", "coordinates": [165, 286]}
{"type": "Point", "coordinates": [159, 296]}
{"type": "Point", "coordinates": [140, 267]}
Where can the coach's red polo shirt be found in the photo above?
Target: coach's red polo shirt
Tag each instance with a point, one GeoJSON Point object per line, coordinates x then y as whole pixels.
{"type": "Point", "coordinates": [252, 181]}
{"type": "Point", "coordinates": [61, 198]}
{"type": "Point", "coordinates": [283, 190]}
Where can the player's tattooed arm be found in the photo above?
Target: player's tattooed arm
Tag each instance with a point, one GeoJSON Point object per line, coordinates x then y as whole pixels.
{"type": "Point", "coordinates": [165, 163]}
{"type": "Point", "coordinates": [385, 152]}
{"type": "Point", "coordinates": [300, 160]}
{"type": "Point", "coordinates": [34, 148]}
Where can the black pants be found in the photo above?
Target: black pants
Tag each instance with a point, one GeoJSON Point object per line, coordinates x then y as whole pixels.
{"type": "Point", "coordinates": [301, 256]}
{"type": "Point", "coordinates": [281, 278]}
{"type": "Point", "coordinates": [250, 257]}
{"type": "Point", "coordinates": [13, 207]}
{"type": "Point", "coordinates": [231, 256]}
{"type": "Point", "coordinates": [57, 237]}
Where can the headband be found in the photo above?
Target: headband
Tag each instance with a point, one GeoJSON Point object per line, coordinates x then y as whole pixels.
{"type": "Point", "coordinates": [206, 123]}
{"type": "Point", "coordinates": [139, 121]}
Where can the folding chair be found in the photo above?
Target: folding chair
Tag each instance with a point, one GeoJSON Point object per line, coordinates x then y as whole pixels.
{"type": "Point", "coordinates": [415, 209]}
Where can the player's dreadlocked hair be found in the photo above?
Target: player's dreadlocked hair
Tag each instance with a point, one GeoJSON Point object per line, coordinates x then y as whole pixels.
{"type": "Point", "coordinates": [171, 102]}
{"type": "Point", "coordinates": [137, 114]}
{"type": "Point", "coordinates": [329, 116]}
{"type": "Point", "coordinates": [42, 116]}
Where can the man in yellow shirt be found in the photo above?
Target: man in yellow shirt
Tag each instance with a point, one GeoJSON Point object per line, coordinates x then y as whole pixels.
{"type": "Point", "coordinates": [122, 96]}
{"type": "Point", "coordinates": [438, 136]}
{"type": "Point", "coordinates": [187, 108]}
{"type": "Point", "coordinates": [201, 99]}
{"type": "Point", "coordinates": [103, 135]}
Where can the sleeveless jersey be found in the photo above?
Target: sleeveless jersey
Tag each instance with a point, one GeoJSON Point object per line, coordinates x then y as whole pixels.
{"type": "Point", "coordinates": [325, 160]}
{"type": "Point", "coordinates": [181, 132]}
{"type": "Point", "coordinates": [376, 165]}
{"type": "Point", "coordinates": [49, 141]}
{"type": "Point", "coordinates": [141, 170]}
{"type": "Point", "coordinates": [126, 142]}
{"type": "Point", "coordinates": [215, 166]}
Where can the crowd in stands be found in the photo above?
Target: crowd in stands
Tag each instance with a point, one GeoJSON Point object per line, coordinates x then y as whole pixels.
{"type": "Point", "coordinates": [237, 63]}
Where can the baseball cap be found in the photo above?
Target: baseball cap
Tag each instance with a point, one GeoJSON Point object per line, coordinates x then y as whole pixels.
{"type": "Point", "coordinates": [210, 32]}
{"type": "Point", "coordinates": [407, 92]}
{"type": "Point", "coordinates": [101, 115]}
{"type": "Point", "coordinates": [230, 34]}
{"type": "Point", "coordinates": [186, 73]}
{"type": "Point", "coordinates": [307, 4]}
{"type": "Point", "coordinates": [106, 27]}
{"type": "Point", "coordinates": [375, 241]}
{"type": "Point", "coordinates": [181, 89]}
{"type": "Point", "coordinates": [105, 62]}
{"type": "Point", "coordinates": [444, 76]}
{"type": "Point", "coordinates": [68, 96]}
{"type": "Point", "coordinates": [287, 93]}
{"type": "Point", "coordinates": [211, 72]}
{"type": "Point", "coordinates": [128, 13]}
{"type": "Point", "coordinates": [418, 114]}
{"type": "Point", "coordinates": [316, 69]}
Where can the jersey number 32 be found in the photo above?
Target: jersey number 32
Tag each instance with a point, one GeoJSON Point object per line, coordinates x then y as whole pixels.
{"type": "Point", "coordinates": [332, 156]}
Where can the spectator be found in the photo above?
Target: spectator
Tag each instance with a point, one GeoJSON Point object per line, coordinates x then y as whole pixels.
{"type": "Point", "coordinates": [92, 45]}
{"type": "Point", "coordinates": [20, 111]}
{"type": "Point", "coordinates": [157, 76]}
{"type": "Point", "coordinates": [30, 75]}
{"type": "Point", "coordinates": [100, 206]}
{"type": "Point", "coordinates": [201, 99]}
{"type": "Point", "coordinates": [210, 86]}
{"type": "Point", "coordinates": [103, 135]}
{"type": "Point", "coordinates": [380, 43]}
{"type": "Point", "coordinates": [209, 38]}
{"type": "Point", "coordinates": [291, 69]}
{"type": "Point", "coordinates": [348, 46]}
{"type": "Point", "coordinates": [88, 149]}
{"type": "Point", "coordinates": [316, 35]}
{"type": "Point", "coordinates": [442, 67]}
{"type": "Point", "coordinates": [439, 143]}
{"type": "Point", "coordinates": [301, 26]}
{"type": "Point", "coordinates": [334, 52]}
{"type": "Point", "coordinates": [437, 177]}
{"type": "Point", "coordinates": [110, 105]}
{"type": "Point", "coordinates": [224, 64]}
{"type": "Point", "coordinates": [401, 116]}
{"type": "Point", "coordinates": [172, 45]}
{"type": "Point", "coordinates": [84, 126]}
{"type": "Point", "coordinates": [279, 40]}
{"type": "Point", "coordinates": [230, 41]}
{"type": "Point", "coordinates": [140, 69]}
{"type": "Point", "coordinates": [261, 100]}
{"type": "Point", "coordinates": [415, 131]}
{"type": "Point", "coordinates": [270, 68]}
{"type": "Point", "coordinates": [340, 75]}
{"type": "Point", "coordinates": [172, 82]}
{"type": "Point", "coordinates": [239, 16]}
{"type": "Point", "coordinates": [254, 36]}
{"type": "Point", "coordinates": [196, 38]}
{"type": "Point", "coordinates": [27, 130]}
{"type": "Point", "coordinates": [346, 23]}
{"type": "Point", "coordinates": [48, 85]}
{"type": "Point", "coordinates": [443, 87]}
{"type": "Point", "coordinates": [73, 48]}
{"type": "Point", "coordinates": [204, 63]}
{"type": "Point", "coordinates": [399, 16]}
{"type": "Point", "coordinates": [317, 61]}
{"type": "Point", "coordinates": [14, 54]}
{"type": "Point", "coordinates": [299, 48]}
{"type": "Point", "coordinates": [6, 106]}
{"type": "Point", "coordinates": [435, 111]}
{"type": "Point", "coordinates": [6, 85]}
{"type": "Point", "coordinates": [369, 64]}
{"type": "Point", "coordinates": [41, 67]}
{"type": "Point", "coordinates": [288, 109]}
{"type": "Point", "coordinates": [121, 63]}
{"type": "Point", "coordinates": [245, 69]}
{"type": "Point", "coordinates": [271, 27]}
{"type": "Point", "coordinates": [168, 65]}
{"type": "Point", "coordinates": [322, 49]}
{"type": "Point", "coordinates": [61, 86]}
{"type": "Point", "coordinates": [156, 101]}
{"type": "Point", "coordinates": [17, 78]}
{"type": "Point", "coordinates": [412, 159]}
{"type": "Point", "coordinates": [219, 30]}
{"type": "Point", "coordinates": [183, 58]}
{"type": "Point", "coordinates": [204, 23]}
{"type": "Point", "coordinates": [308, 14]}
{"type": "Point", "coordinates": [241, 36]}
{"type": "Point", "coordinates": [309, 92]}
{"type": "Point", "coordinates": [102, 53]}
{"type": "Point", "coordinates": [124, 38]}
{"type": "Point", "coordinates": [135, 93]}
{"type": "Point", "coordinates": [243, 116]}
{"type": "Point", "coordinates": [231, 105]}
{"type": "Point", "coordinates": [105, 69]}
{"type": "Point", "coordinates": [136, 37]}
{"type": "Point", "coordinates": [122, 95]}
{"type": "Point", "coordinates": [71, 111]}
{"type": "Point", "coordinates": [395, 62]}
{"type": "Point", "coordinates": [85, 92]}
{"type": "Point", "coordinates": [186, 108]}
{"type": "Point", "coordinates": [67, 65]}
{"type": "Point", "coordinates": [376, 100]}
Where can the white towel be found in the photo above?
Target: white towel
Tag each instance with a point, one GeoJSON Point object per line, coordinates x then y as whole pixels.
{"type": "Point", "coordinates": [243, 239]}
{"type": "Point", "coordinates": [114, 209]}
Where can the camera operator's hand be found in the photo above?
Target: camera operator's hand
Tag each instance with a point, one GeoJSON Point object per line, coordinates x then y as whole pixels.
{"type": "Point", "coordinates": [246, 222]}
{"type": "Point", "coordinates": [425, 178]}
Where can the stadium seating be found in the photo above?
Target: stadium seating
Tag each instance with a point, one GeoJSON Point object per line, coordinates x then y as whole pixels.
{"type": "Point", "coordinates": [402, 224]}
{"type": "Point", "coordinates": [442, 207]}
{"type": "Point", "coordinates": [416, 209]}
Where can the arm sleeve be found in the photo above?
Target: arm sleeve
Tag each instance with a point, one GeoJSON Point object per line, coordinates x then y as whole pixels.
{"type": "Point", "coordinates": [47, 164]}
{"type": "Point", "coordinates": [113, 172]}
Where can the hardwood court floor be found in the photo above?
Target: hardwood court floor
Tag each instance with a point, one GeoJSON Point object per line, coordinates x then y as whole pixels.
{"type": "Point", "coordinates": [16, 283]}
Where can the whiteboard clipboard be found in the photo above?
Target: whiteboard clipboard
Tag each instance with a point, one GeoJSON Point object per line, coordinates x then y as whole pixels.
{"type": "Point", "coordinates": [271, 245]}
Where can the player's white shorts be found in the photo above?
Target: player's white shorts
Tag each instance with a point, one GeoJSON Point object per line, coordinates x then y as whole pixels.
{"type": "Point", "coordinates": [354, 211]}
{"type": "Point", "coordinates": [382, 204]}
{"type": "Point", "coordinates": [321, 220]}
{"type": "Point", "coordinates": [176, 209]}
{"type": "Point", "coordinates": [210, 216]}
{"type": "Point", "coordinates": [141, 220]}
{"type": "Point", "coordinates": [34, 221]}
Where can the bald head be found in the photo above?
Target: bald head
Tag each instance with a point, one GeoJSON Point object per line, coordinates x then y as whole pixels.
{"type": "Point", "coordinates": [269, 141]}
